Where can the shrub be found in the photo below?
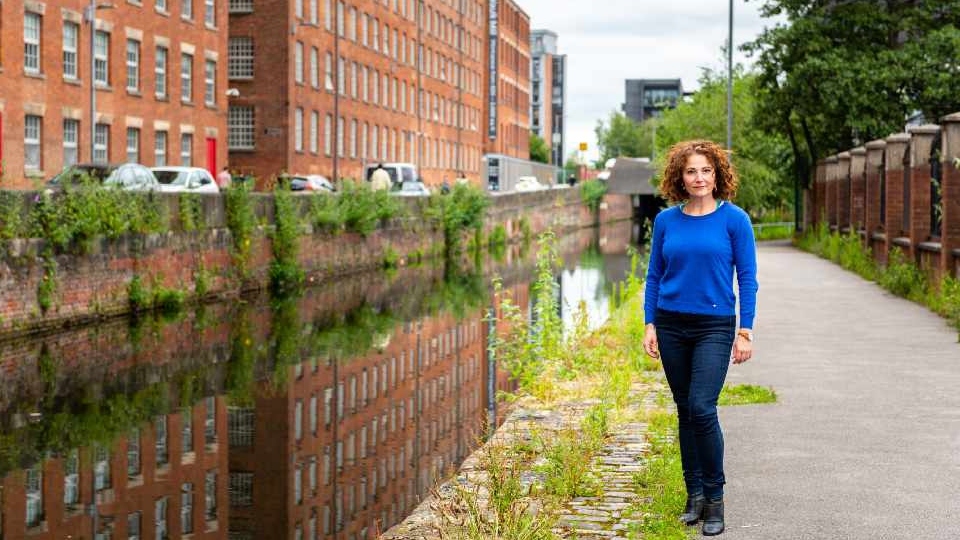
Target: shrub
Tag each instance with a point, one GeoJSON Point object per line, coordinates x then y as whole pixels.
{"type": "Point", "coordinates": [592, 192]}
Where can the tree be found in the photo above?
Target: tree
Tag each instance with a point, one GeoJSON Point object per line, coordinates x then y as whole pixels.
{"type": "Point", "coordinates": [538, 149]}
{"type": "Point", "coordinates": [838, 74]}
{"type": "Point", "coordinates": [620, 136]}
{"type": "Point", "coordinates": [763, 160]}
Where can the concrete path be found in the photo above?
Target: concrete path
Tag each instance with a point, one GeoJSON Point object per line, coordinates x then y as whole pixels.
{"type": "Point", "coordinates": [864, 442]}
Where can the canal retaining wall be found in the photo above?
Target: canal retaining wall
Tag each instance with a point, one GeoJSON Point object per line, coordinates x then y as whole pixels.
{"type": "Point", "coordinates": [98, 282]}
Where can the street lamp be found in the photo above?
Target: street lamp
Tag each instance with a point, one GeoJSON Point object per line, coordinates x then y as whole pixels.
{"type": "Point", "coordinates": [90, 15]}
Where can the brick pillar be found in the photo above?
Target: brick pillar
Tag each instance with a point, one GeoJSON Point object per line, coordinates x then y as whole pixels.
{"type": "Point", "coordinates": [950, 189]}
{"type": "Point", "coordinates": [818, 210]}
{"type": "Point", "coordinates": [858, 161]}
{"type": "Point", "coordinates": [832, 192]}
{"type": "Point", "coordinates": [920, 145]}
{"type": "Point", "coordinates": [873, 186]}
{"type": "Point", "coordinates": [843, 191]}
{"type": "Point", "coordinates": [896, 233]}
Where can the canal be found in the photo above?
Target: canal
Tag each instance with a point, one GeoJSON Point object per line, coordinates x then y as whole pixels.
{"type": "Point", "coordinates": [329, 415]}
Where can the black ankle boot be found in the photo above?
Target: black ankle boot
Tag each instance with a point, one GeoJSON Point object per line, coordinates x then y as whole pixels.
{"type": "Point", "coordinates": [713, 517]}
{"type": "Point", "coordinates": [694, 510]}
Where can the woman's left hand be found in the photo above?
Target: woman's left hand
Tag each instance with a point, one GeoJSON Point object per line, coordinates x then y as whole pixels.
{"type": "Point", "coordinates": [742, 349]}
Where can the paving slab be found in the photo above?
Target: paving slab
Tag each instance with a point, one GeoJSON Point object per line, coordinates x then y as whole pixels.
{"type": "Point", "coordinates": [864, 442]}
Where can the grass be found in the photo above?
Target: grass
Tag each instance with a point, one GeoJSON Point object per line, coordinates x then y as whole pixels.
{"type": "Point", "coordinates": [660, 484]}
{"type": "Point", "coordinates": [746, 394]}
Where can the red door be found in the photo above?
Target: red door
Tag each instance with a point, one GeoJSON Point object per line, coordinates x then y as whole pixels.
{"type": "Point", "coordinates": [212, 156]}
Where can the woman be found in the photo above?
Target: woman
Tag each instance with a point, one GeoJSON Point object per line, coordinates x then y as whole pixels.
{"type": "Point", "coordinates": [690, 309]}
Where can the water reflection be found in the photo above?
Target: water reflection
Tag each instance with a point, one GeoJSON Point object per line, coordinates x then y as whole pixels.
{"type": "Point", "coordinates": [326, 416]}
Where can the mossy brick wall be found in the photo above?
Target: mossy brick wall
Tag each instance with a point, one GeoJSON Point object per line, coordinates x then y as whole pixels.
{"type": "Point", "coordinates": [95, 284]}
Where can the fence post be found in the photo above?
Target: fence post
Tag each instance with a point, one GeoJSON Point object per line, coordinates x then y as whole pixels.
{"type": "Point", "coordinates": [858, 162]}
{"type": "Point", "coordinates": [950, 191]}
{"type": "Point", "coordinates": [818, 209]}
{"type": "Point", "coordinates": [843, 192]}
{"type": "Point", "coordinates": [874, 199]}
{"type": "Point", "coordinates": [833, 215]}
{"type": "Point", "coordinates": [921, 143]}
{"type": "Point", "coordinates": [897, 235]}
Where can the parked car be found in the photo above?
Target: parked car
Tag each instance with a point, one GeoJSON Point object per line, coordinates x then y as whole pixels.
{"type": "Point", "coordinates": [399, 172]}
{"type": "Point", "coordinates": [311, 182]}
{"type": "Point", "coordinates": [126, 176]}
{"type": "Point", "coordinates": [528, 183]}
{"type": "Point", "coordinates": [185, 179]}
{"type": "Point", "coordinates": [411, 189]}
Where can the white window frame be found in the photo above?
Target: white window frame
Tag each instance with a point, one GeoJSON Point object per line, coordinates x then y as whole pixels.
{"type": "Point", "coordinates": [186, 149]}
{"type": "Point", "coordinates": [298, 62]}
{"type": "Point", "coordinates": [314, 67]}
{"type": "Point", "coordinates": [32, 44]}
{"type": "Point", "coordinates": [210, 13]}
{"type": "Point", "coordinates": [240, 53]}
{"type": "Point", "coordinates": [186, 10]}
{"type": "Point", "coordinates": [33, 142]}
{"type": "Point", "coordinates": [133, 145]}
{"type": "Point", "coordinates": [71, 141]}
{"type": "Point", "coordinates": [101, 143]}
{"type": "Point", "coordinates": [71, 42]}
{"type": "Point", "coordinates": [101, 58]}
{"type": "Point", "coordinates": [210, 83]}
{"type": "Point", "coordinates": [328, 135]}
{"type": "Point", "coordinates": [241, 132]}
{"type": "Point", "coordinates": [353, 138]}
{"type": "Point", "coordinates": [186, 78]}
{"type": "Point", "coordinates": [298, 141]}
{"type": "Point", "coordinates": [133, 65]}
{"type": "Point", "coordinates": [314, 128]}
{"type": "Point", "coordinates": [340, 128]}
{"type": "Point", "coordinates": [161, 59]}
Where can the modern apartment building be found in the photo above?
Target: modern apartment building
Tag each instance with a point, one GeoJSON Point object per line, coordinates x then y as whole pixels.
{"type": "Point", "coordinates": [647, 98]}
{"type": "Point", "coordinates": [548, 91]}
{"type": "Point", "coordinates": [507, 107]}
{"type": "Point", "coordinates": [132, 80]}
{"type": "Point", "coordinates": [328, 86]}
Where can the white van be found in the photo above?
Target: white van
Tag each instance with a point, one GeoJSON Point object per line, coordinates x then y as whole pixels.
{"type": "Point", "coordinates": [399, 172]}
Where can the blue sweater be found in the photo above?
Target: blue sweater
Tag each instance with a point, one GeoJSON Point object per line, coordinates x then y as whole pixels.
{"type": "Point", "coordinates": [692, 260]}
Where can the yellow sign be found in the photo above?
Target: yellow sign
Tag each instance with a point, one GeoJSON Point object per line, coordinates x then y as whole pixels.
{"type": "Point", "coordinates": [583, 147]}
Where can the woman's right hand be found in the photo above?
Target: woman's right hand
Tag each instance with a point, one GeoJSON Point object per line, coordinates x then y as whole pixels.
{"type": "Point", "coordinates": [650, 344]}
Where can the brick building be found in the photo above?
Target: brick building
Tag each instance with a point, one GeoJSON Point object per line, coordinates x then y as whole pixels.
{"type": "Point", "coordinates": [327, 86]}
{"type": "Point", "coordinates": [167, 477]}
{"type": "Point", "coordinates": [507, 109]}
{"type": "Point", "coordinates": [157, 69]}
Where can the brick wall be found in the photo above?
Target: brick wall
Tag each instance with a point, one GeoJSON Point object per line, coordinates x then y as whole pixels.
{"type": "Point", "coordinates": [95, 284]}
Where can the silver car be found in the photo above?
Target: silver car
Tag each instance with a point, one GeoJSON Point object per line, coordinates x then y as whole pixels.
{"type": "Point", "coordinates": [185, 179]}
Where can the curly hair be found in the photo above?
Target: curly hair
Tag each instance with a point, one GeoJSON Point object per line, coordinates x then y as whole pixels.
{"type": "Point", "coordinates": [671, 183]}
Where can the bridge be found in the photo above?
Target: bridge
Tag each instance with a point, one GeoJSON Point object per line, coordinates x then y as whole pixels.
{"type": "Point", "coordinates": [864, 441]}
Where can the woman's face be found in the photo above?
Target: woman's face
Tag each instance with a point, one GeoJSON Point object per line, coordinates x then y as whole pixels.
{"type": "Point", "coordinates": [699, 176]}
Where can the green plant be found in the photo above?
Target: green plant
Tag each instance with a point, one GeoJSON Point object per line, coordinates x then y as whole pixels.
{"type": "Point", "coordinates": [202, 279]}
{"type": "Point", "coordinates": [526, 232]}
{"type": "Point", "coordinates": [461, 210]}
{"type": "Point", "coordinates": [391, 259]}
{"type": "Point", "coordinates": [660, 483]}
{"type": "Point", "coordinates": [498, 236]}
{"type": "Point", "coordinates": [242, 222]}
{"type": "Point", "coordinates": [47, 287]}
{"type": "Point", "coordinates": [191, 211]}
{"type": "Point", "coordinates": [903, 278]}
{"type": "Point", "coordinates": [362, 208]}
{"type": "Point", "coordinates": [746, 394]}
{"type": "Point", "coordinates": [168, 301]}
{"type": "Point", "coordinates": [11, 214]}
{"type": "Point", "coordinates": [592, 192]}
{"type": "Point", "coordinates": [285, 272]}
{"type": "Point", "coordinates": [326, 213]}
{"type": "Point", "coordinates": [137, 295]}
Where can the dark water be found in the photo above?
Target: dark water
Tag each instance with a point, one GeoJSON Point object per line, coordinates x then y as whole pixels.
{"type": "Point", "coordinates": [330, 415]}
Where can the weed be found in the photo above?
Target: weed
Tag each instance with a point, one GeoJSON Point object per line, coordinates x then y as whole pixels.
{"type": "Point", "coordinates": [191, 211]}
{"type": "Point", "coordinates": [746, 394]}
{"type": "Point", "coordinates": [242, 222]}
{"type": "Point", "coordinates": [498, 236]}
{"type": "Point", "coordinates": [391, 259]}
{"type": "Point", "coordinates": [285, 272]}
{"type": "Point", "coordinates": [592, 192]}
{"type": "Point", "coordinates": [137, 295]}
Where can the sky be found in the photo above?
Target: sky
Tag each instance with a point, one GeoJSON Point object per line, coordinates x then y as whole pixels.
{"type": "Point", "coordinates": [608, 41]}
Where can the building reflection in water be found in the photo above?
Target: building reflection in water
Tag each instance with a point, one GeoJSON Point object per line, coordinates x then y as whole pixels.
{"type": "Point", "coordinates": [328, 416]}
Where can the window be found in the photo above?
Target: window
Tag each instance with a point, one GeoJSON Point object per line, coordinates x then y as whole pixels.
{"type": "Point", "coordinates": [353, 80]}
{"type": "Point", "coordinates": [160, 425]}
{"type": "Point", "coordinates": [341, 80]}
{"type": "Point", "coordinates": [353, 138]}
{"type": "Point", "coordinates": [133, 526]}
{"type": "Point", "coordinates": [209, 13]}
{"type": "Point", "coordinates": [328, 81]}
{"type": "Point", "coordinates": [34, 488]}
{"type": "Point", "coordinates": [71, 478]}
{"type": "Point", "coordinates": [101, 468]}
{"type": "Point", "coordinates": [160, 72]}
{"type": "Point", "coordinates": [160, 518]}
{"type": "Point", "coordinates": [186, 508]}
{"type": "Point", "coordinates": [314, 67]}
{"type": "Point", "coordinates": [364, 35]}
{"type": "Point", "coordinates": [186, 9]}
{"type": "Point", "coordinates": [161, 6]}
{"type": "Point", "coordinates": [133, 453]}
{"type": "Point", "coordinates": [240, 128]}
{"type": "Point", "coordinates": [210, 83]}
{"type": "Point", "coordinates": [241, 6]}
{"type": "Point", "coordinates": [240, 58]}
{"type": "Point", "coordinates": [327, 131]}
{"type": "Point", "coordinates": [314, 128]}
{"type": "Point", "coordinates": [365, 84]}
{"type": "Point", "coordinates": [352, 25]}
{"type": "Point", "coordinates": [186, 149]}
{"type": "Point", "coordinates": [313, 408]}
{"type": "Point", "coordinates": [186, 423]}
{"type": "Point", "coordinates": [71, 136]}
{"type": "Point", "coordinates": [298, 138]}
{"type": "Point", "coordinates": [240, 426]}
{"type": "Point", "coordinates": [386, 39]}
{"type": "Point", "coordinates": [210, 495]}
{"type": "Point", "coordinates": [298, 406]}
{"type": "Point", "coordinates": [186, 77]}
{"type": "Point", "coordinates": [241, 489]}
{"type": "Point", "coordinates": [71, 39]}
{"type": "Point", "coordinates": [298, 484]}
{"type": "Point", "coordinates": [340, 136]}
{"type": "Point", "coordinates": [31, 142]}
{"type": "Point", "coordinates": [133, 145]}
{"type": "Point", "coordinates": [298, 8]}
{"type": "Point", "coordinates": [133, 65]}
{"type": "Point", "coordinates": [340, 15]}
{"type": "Point", "coordinates": [363, 140]}
{"type": "Point", "coordinates": [312, 470]}
{"type": "Point", "coordinates": [314, 15]}
{"type": "Point", "coordinates": [374, 136]}
{"type": "Point", "coordinates": [101, 58]}
{"type": "Point", "coordinates": [298, 62]}
{"type": "Point", "coordinates": [101, 143]}
{"type": "Point", "coordinates": [327, 10]}
{"type": "Point", "coordinates": [31, 43]}
{"type": "Point", "coordinates": [159, 160]}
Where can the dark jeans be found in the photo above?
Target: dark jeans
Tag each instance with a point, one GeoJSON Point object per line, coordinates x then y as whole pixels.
{"type": "Point", "coordinates": [695, 352]}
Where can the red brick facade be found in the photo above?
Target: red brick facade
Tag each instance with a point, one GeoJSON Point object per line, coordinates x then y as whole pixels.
{"type": "Point", "coordinates": [45, 74]}
{"type": "Point", "coordinates": [390, 75]}
{"type": "Point", "coordinates": [513, 82]}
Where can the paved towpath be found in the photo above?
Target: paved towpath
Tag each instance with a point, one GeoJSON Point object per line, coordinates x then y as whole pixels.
{"type": "Point", "coordinates": [864, 442]}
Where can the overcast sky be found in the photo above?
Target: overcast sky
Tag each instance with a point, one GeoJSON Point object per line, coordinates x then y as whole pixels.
{"type": "Point", "coordinates": [608, 41]}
